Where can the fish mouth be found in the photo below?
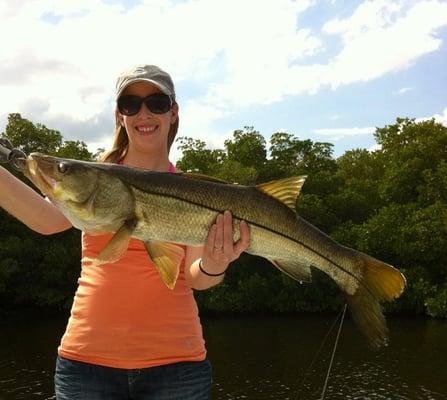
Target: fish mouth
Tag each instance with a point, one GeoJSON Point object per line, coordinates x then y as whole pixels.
{"type": "Point", "coordinates": [44, 182]}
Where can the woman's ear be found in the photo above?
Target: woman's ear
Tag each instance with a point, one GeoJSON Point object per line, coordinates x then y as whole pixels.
{"type": "Point", "coordinates": [174, 113]}
{"type": "Point", "coordinates": [119, 118]}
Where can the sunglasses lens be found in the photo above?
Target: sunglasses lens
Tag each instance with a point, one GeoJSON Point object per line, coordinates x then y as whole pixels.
{"type": "Point", "coordinates": [158, 103]}
{"type": "Point", "coordinates": [129, 105]}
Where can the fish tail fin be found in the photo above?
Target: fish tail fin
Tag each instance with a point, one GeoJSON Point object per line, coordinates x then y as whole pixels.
{"type": "Point", "coordinates": [379, 282]}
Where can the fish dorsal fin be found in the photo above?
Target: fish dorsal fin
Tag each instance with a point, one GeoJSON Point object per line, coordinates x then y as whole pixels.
{"type": "Point", "coordinates": [201, 177]}
{"type": "Point", "coordinates": [284, 190]}
{"type": "Point", "coordinates": [167, 258]}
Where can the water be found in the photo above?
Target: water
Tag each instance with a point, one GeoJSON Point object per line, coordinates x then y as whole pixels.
{"type": "Point", "coordinates": [262, 358]}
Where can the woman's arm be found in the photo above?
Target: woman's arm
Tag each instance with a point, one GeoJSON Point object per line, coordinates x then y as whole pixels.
{"type": "Point", "coordinates": [29, 207]}
{"type": "Point", "coordinates": [217, 253]}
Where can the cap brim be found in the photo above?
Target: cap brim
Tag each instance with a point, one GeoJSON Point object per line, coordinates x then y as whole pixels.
{"type": "Point", "coordinates": [163, 88]}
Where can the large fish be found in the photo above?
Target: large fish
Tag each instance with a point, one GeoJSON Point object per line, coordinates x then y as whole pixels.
{"type": "Point", "coordinates": [164, 209]}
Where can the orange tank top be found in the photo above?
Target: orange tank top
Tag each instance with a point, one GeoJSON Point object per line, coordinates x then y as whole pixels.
{"type": "Point", "coordinates": [124, 316]}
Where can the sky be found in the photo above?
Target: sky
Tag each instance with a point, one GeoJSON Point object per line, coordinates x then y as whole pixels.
{"type": "Point", "coordinates": [325, 70]}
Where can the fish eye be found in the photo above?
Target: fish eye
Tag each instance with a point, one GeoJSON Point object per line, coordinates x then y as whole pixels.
{"type": "Point", "coordinates": [62, 167]}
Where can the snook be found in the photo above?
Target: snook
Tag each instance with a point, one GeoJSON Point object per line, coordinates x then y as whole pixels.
{"type": "Point", "coordinates": [164, 209]}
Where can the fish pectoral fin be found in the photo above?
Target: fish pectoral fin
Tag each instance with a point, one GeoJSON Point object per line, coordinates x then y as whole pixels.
{"type": "Point", "coordinates": [296, 270]}
{"type": "Point", "coordinates": [284, 190]}
{"type": "Point", "coordinates": [167, 258]}
{"type": "Point", "coordinates": [115, 248]}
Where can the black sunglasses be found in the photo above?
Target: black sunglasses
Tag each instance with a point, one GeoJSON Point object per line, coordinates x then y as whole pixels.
{"type": "Point", "coordinates": [158, 103]}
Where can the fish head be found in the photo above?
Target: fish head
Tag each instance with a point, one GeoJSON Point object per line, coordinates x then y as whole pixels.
{"type": "Point", "coordinates": [61, 179]}
{"type": "Point", "coordinates": [87, 193]}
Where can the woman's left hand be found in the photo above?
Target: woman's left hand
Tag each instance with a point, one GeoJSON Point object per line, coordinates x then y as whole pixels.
{"type": "Point", "coordinates": [220, 250]}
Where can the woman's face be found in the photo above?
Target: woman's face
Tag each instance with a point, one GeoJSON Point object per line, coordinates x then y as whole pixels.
{"type": "Point", "coordinates": [147, 132]}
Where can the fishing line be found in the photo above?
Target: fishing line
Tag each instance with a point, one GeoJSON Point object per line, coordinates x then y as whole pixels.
{"type": "Point", "coordinates": [306, 374]}
{"type": "Point", "coordinates": [333, 353]}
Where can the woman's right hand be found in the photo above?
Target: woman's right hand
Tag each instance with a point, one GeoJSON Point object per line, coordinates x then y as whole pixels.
{"type": "Point", "coordinates": [29, 207]}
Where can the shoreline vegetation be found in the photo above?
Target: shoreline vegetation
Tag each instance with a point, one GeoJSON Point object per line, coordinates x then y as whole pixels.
{"type": "Point", "coordinates": [390, 203]}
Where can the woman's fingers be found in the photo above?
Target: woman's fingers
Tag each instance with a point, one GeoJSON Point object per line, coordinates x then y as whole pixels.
{"type": "Point", "coordinates": [211, 238]}
{"type": "Point", "coordinates": [228, 234]}
{"type": "Point", "coordinates": [220, 245]}
{"type": "Point", "coordinates": [244, 241]}
{"type": "Point", "coordinates": [219, 238]}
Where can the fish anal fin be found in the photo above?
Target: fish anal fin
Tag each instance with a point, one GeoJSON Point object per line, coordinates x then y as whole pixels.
{"type": "Point", "coordinates": [167, 258]}
{"type": "Point", "coordinates": [115, 248]}
{"type": "Point", "coordinates": [296, 270]}
{"type": "Point", "coordinates": [284, 190]}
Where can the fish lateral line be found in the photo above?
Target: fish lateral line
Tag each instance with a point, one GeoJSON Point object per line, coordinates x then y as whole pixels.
{"type": "Point", "coordinates": [265, 228]}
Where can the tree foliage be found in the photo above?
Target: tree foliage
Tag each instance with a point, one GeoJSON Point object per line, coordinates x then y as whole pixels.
{"type": "Point", "coordinates": [390, 203]}
{"type": "Point", "coordinates": [34, 269]}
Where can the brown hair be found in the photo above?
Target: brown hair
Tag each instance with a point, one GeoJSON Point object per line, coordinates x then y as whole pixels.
{"type": "Point", "coordinates": [121, 142]}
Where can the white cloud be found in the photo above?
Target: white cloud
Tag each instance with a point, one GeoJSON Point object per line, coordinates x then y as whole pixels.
{"type": "Point", "coordinates": [102, 142]}
{"type": "Point", "coordinates": [440, 118]}
{"type": "Point", "coordinates": [339, 133]}
{"type": "Point", "coordinates": [197, 118]}
{"type": "Point", "coordinates": [383, 36]}
{"type": "Point", "coordinates": [66, 68]}
{"type": "Point", "coordinates": [404, 90]}
{"type": "Point", "coordinates": [375, 147]}
{"type": "Point", "coordinates": [238, 54]}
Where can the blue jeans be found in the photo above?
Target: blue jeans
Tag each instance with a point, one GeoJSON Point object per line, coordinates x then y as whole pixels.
{"type": "Point", "coordinates": [185, 380]}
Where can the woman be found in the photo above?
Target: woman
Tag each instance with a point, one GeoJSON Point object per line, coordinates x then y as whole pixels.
{"type": "Point", "coordinates": [129, 336]}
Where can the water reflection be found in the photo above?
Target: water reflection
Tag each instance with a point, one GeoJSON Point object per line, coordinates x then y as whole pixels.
{"type": "Point", "coordinates": [27, 354]}
{"type": "Point", "coordinates": [266, 358]}
{"type": "Point", "coordinates": [262, 358]}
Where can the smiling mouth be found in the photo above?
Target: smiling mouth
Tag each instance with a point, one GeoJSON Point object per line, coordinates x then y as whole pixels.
{"type": "Point", "coordinates": [146, 129]}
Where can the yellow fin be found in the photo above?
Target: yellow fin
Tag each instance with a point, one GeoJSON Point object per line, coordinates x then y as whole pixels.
{"type": "Point", "coordinates": [115, 248]}
{"type": "Point", "coordinates": [167, 258]}
{"type": "Point", "coordinates": [296, 270]}
{"type": "Point", "coordinates": [285, 190]}
{"type": "Point", "coordinates": [379, 282]}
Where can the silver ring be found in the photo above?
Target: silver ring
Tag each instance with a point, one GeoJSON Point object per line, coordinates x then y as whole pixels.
{"type": "Point", "coordinates": [218, 248]}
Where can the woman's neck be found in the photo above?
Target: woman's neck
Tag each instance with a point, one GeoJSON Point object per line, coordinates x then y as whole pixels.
{"type": "Point", "coordinates": [154, 162]}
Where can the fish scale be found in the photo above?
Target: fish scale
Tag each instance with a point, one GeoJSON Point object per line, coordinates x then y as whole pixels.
{"type": "Point", "coordinates": [199, 204]}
